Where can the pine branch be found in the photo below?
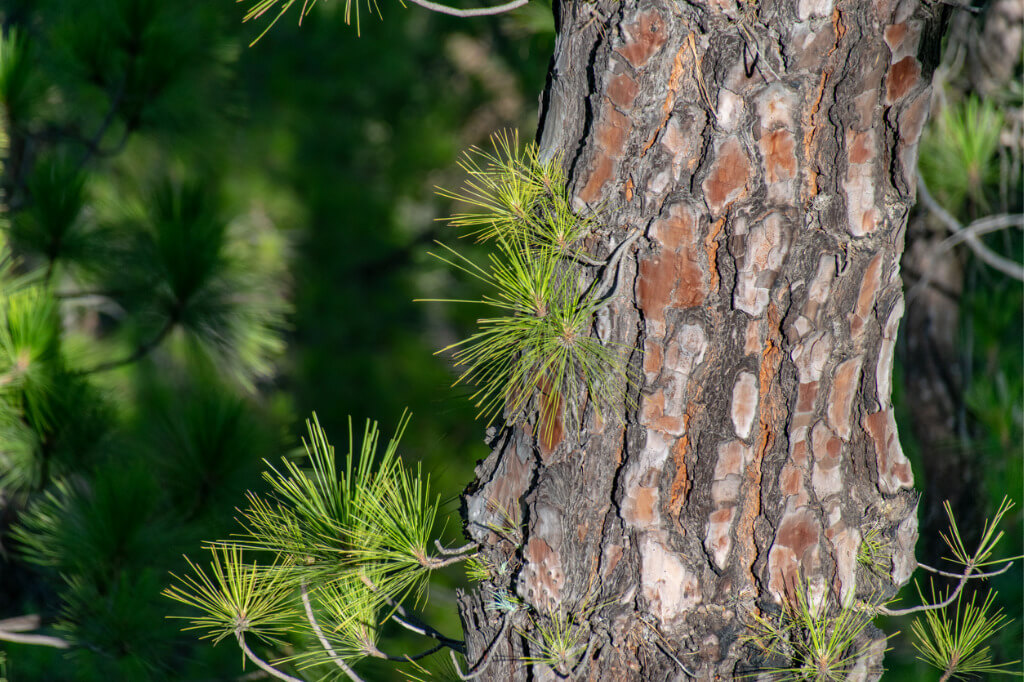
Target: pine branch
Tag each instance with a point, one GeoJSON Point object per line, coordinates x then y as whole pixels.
{"type": "Point", "coordinates": [485, 660]}
{"type": "Point", "coordinates": [968, 574]}
{"type": "Point", "coordinates": [465, 13]}
{"type": "Point", "coordinates": [260, 663]}
{"type": "Point", "coordinates": [323, 640]}
{"type": "Point", "coordinates": [142, 351]}
{"type": "Point", "coordinates": [994, 260]}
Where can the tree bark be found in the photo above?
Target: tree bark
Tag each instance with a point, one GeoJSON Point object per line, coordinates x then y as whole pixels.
{"type": "Point", "coordinates": [768, 152]}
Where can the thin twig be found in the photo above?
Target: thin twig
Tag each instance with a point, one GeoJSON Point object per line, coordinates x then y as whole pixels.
{"type": "Point", "coordinates": [964, 577]}
{"type": "Point", "coordinates": [477, 12]}
{"type": "Point", "coordinates": [414, 624]}
{"type": "Point", "coordinates": [377, 653]}
{"type": "Point", "coordinates": [39, 640]}
{"type": "Point", "coordinates": [611, 270]}
{"type": "Point", "coordinates": [665, 647]}
{"type": "Point", "coordinates": [433, 562]}
{"type": "Point", "coordinates": [989, 257]}
{"type": "Point", "coordinates": [142, 351]}
{"type": "Point", "coordinates": [992, 223]}
{"type": "Point", "coordinates": [455, 550]}
{"type": "Point", "coordinates": [485, 660]}
{"type": "Point", "coordinates": [581, 667]}
{"type": "Point", "coordinates": [260, 663]}
{"type": "Point", "coordinates": [960, 575]}
{"type": "Point", "coordinates": [338, 660]}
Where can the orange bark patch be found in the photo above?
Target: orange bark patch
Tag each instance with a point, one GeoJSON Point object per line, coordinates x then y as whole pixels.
{"type": "Point", "coordinates": [680, 481]}
{"type": "Point", "coordinates": [894, 35]}
{"type": "Point", "coordinates": [591, 192]}
{"type": "Point", "coordinates": [550, 422]}
{"type": "Point", "coordinates": [728, 177]}
{"type": "Point", "coordinates": [866, 297]}
{"type": "Point", "coordinates": [791, 479]}
{"type": "Point", "coordinates": [777, 149]}
{"type": "Point", "coordinates": [643, 38]}
{"type": "Point", "coordinates": [671, 279]}
{"type": "Point", "coordinates": [799, 532]}
{"type": "Point", "coordinates": [711, 249]}
{"type": "Point", "coordinates": [844, 388]}
{"type": "Point", "coordinates": [861, 147]}
{"type": "Point", "coordinates": [903, 75]}
{"type": "Point", "coordinates": [675, 232]}
{"type": "Point", "coordinates": [893, 467]}
{"type": "Point", "coordinates": [611, 135]}
{"type": "Point", "coordinates": [622, 91]}
{"type": "Point", "coordinates": [670, 100]}
{"type": "Point", "coordinates": [805, 396]}
{"type": "Point", "coordinates": [652, 414]}
{"type": "Point", "coordinates": [654, 355]}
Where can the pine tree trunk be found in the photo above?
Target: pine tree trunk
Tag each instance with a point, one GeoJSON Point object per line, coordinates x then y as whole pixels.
{"type": "Point", "coordinates": [768, 151]}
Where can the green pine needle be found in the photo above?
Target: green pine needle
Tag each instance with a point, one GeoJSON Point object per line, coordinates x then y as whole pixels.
{"type": "Point", "coordinates": [536, 352]}
{"type": "Point", "coordinates": [236, 598]}
{"type": "Point", "coordinates": [366, 515]}
{"type": "Point", "coordinates": [817, 643]}
{"type": "Point", "coordinates": [261, 7]}
{"type": "Point", "coordinates": [953, 644]}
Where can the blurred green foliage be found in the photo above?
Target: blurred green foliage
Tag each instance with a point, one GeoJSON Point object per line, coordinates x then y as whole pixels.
{"type": "Point", "coordinates": [169, 190]}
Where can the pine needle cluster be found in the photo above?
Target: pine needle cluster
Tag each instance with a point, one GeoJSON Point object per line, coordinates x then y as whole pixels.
{"type": "Point", "coordinates": [814, 641]}
{"type": "Point", "coordinates": [536, 351]}
{"type": "Point", "coordinates": [350, 536]}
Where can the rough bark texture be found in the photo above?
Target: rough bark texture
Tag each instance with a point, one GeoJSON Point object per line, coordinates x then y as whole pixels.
{"type": "Point", "coordinates": [768, 151]}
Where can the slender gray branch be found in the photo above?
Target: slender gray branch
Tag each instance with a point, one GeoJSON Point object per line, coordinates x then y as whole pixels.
{"type": "Point", "coordinates": [485, 660]}
{"type": "Point", "coordinates": [469, 546]}
{"type": "Point", "coordinates": [260, 663]}
{"type": "Point", "coordinates": [992, 223]}
{"type": "Point", "coordinates": [464, 13]}
{"type": "Point", "coordinates": [39, 640]}
{"type": "Point", "coordinates": [432, 562]}
{"type": "Point", "coordinates": [986, 255]}
{"type": "Point", "coordinates": [964, 577]}
{"type": "Point", "coordinates": [973, 576]}
{"type": "Point", "coordinates": [142, 351]}
{"type": "Point", "coordinates": [338, 660]}
{"type": "Point", "coordinates": [414, 624]}
{"type": "Point", "coordinates": [612, 271]}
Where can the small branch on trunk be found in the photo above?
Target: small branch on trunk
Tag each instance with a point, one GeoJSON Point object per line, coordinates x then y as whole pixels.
{"type": "Point", "coordinates": [414, 624]}
{"type": "Point", "coordinates": [377, 653]}
{"type": "Point", "coordinates": [338, 660]}
{"type": "Point", "coordinates": [666, 648]}
{"type": "Point", "coordinates": [469, 546]}
{"type": "Point", "coordinates": [432, 562]}
{"type": "Point", "coordinates": [485, 660]}
{"type": "Point", "coordinates": [612, 270]}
